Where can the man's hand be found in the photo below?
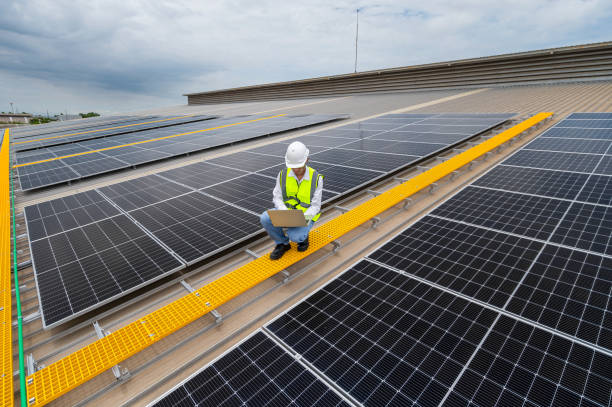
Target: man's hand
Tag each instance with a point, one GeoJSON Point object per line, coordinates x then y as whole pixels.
{"type": "Point", "coordinates": [308, 217]}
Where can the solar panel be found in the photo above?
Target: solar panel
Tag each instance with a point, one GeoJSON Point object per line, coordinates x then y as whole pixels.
{"type": "Point", "coordinates": [595, 134]}
{"type": "Point", "coordinates": [556, 184]}
{"type": "Point", "coordinates": [384, 337]}
{"type": "Point", "coordinates": [257, 372]}
{"type": "Point", "coordinates": [586, 124]}
{"type": "Point", "coordinates": [247, 161]}
{"type": "Point", "coordinates": [60, 215]}
{"type": "Point", "coordinates": [522, 365]}
{"type": "Point", "coordinates": [605, 166]}
{"type": "Point", "coordinates": [251, 192]}
{"type": "Point", "coordinates": [396, 147]}
{"type": "Point", "coordinates": [343, 179]}
{"type": "Point", "coordinates": [572, 162]}
{"type": "Point", "coordinates": [201, 175]}
{"type": "Point", "coordinates": [93, 167]}
{"type": "Point", "coordinates": [587, 227]}
{"type": "Point", "coordinates": [99, 162]}
{"type": "Point", "coordinates": [195, 226]}
{"type": "Point", "coordinates": [570, 145]}
{"type": "Point", "coordinates": [47, 177]}
{"type": "Point", "coordinates": [568, 290]}
{"type": "Point", "coordinates": [418, 137]}
{"type": "Point", "coordinates": [97, 132]}
{"type": "Point", "coordinates": [597, 190]}
{"type": "Point", "coordinates": [590, 116]}
{"type": "Point", "coordinates": [143, 191]}
{"type": "Point", "coordinates": [480, 263]}
{"type": "Point", "coordinates": [87, 266]}
{"type": "Point", "coordinates": [520, 214]}
{"type": "Point", "coordinates": [74, 125]}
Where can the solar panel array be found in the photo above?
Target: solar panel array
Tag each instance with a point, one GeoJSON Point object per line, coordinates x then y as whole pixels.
{"type": "Point", "coordinates": [60, 127]}
{"type": "Point", "coordinates": [107, 154]}
{"type": "Point", "coordinates": [72, 136]}
{"type": "Point", "coordinates": [194, 211]}
{"type": "Point", "coordinates": [500, 296]}
{"type": "Point", "coordinates": [257, 372]}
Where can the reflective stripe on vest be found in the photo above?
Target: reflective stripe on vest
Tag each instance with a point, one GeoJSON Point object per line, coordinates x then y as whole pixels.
{"type": "Point", "coordinates": [299, 195]}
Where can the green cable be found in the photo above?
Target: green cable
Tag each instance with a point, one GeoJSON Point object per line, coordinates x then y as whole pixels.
{"type": "Point", "coordinates": [22, 377]}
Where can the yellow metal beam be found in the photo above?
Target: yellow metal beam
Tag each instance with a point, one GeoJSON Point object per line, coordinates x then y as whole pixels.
{"type": "Point", "coordinates": [64, 375]}
{"type": "Point", "coordinates": [98, 130]}
{"type": "Point", "coordinates": [6, 316]}
{"type": "Point", "coordinates": [147, 141]}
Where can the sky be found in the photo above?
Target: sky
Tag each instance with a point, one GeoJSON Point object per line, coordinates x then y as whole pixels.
{"type": "Point", "coordinates": [127, 55]}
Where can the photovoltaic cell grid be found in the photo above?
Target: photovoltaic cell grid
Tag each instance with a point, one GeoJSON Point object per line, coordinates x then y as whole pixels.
{"type": "Point", "coordinates": [257, 372]}
{"type": "Point", "coordinates": [377, 332]}
{"type": "Point", "coordinates": [383, 337]}
{"type": "Point", "coordinates": [92, 247]}
{"type": "Point", "coordinates": [86, 266]}
{"type": "Point", "coordinates": [198, 210]}
{"type": "Point", "coordinates": [39, 142]}
{"type": "Point", "coordinates": [73, 168]}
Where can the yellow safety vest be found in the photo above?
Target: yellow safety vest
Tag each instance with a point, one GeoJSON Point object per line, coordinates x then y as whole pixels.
{"type": "Point", "coordinates": [299, 196]}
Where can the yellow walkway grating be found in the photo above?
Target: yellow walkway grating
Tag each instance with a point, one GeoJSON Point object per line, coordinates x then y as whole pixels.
{"type": "Point", "coordinates": [64, 375]}
{"type": "Point", "coordinates": [6, 315]}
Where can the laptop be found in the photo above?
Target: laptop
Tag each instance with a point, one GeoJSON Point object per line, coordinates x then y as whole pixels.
{"type": "Point", "coordinates": [287, 218]}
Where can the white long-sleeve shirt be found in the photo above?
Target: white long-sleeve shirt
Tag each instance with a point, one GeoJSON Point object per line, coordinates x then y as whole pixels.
{"type": "Point", "coordinates": [315, 205]}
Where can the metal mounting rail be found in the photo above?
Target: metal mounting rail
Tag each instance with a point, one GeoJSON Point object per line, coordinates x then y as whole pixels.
{"type": "Point", "coordinates": [6, 315]}
{"type": "Point", "coordinates": [69, 372]}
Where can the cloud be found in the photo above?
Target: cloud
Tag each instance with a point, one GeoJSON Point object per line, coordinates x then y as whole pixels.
{"type": "Point", "coordinates": [97, 55]}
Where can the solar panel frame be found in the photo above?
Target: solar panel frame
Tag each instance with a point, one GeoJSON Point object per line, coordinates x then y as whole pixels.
{"type": "Point", "coordinates": [159, 222]}
{"type": "Point", "coordinates": [97, 253]}
{"type": "Point", "coordinates": [558, 184]}
{"type": "Point", "coordinates": [176, 147]}
{"type": "Point", "coordinates": [439, 343]}
{"type": "Point", "coordinates": [287, 365]}
{"type": "Point", "coordinates": [569, 145]}
{"type": "Point", "coordinates": [570, 162]}
{"type": "Point", "coordinates": [479, 263]}
{"type": "Point", "coordinates": [519, 364]}
{"type": "Point", "coordinates": [520, 214]}
{"type": "Point", "coordinates": [96, 134]}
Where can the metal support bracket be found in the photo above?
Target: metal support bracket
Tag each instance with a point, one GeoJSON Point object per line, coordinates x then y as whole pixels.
{"type": "Point", "coordinates": [24, 264]}
{"type": "Point", "coordinates": [119, 375]}
{"type": "Point", "coordinates": [407, 203]}
{"type": "Point", "coordinates": [433, 187]}
{"type": "Point", "coordinates": [286, 276]}
{"type": "Point", "coordinates": [31, 364]}
{"type": "Point", "coordinates": [251, 253]}
{"type": "Point", "coordinates": [22, 236]}
{"type": "Point", "coordinates": [217, 315]}
{"type": "Point", "coordinates": [337, 244]}
{"type": "Point", "coordinates": [422, 168]}
{"type": "Point", "coordinates": [375, 222]}
{"type": "Point", "coordinates": [187, 286]}
{"type": "Point", "coordinates": [373, 193]}
{"type": "Point", "coordinates": [454, 175]}
{"type": "Point", "coordinates": [400, 179]}
{"type": "Point", "coordinates": [341, 208]}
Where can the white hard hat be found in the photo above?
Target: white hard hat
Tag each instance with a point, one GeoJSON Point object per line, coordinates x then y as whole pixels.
{"type": "Point", "coordinates": [296, 156]}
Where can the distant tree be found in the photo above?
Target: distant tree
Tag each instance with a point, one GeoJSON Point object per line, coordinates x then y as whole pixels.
{"type": "Point", "coordinates": [90, 114]}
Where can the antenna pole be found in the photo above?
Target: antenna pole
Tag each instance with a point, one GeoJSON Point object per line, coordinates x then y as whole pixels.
{"type": "Point", "coordinates": [356, 39]}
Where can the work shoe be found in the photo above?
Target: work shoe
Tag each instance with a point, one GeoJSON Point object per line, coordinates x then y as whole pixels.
{"type": "Point", "coordinates": [303, 246]}
{"type": "Point", "coordinates": [279, 250]}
